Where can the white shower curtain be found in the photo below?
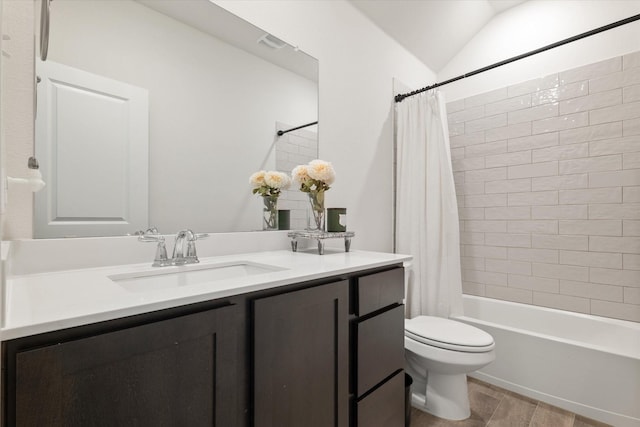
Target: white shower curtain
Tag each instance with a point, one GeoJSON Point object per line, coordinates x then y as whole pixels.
{"type": "Point", "coordinates": [427, 211]}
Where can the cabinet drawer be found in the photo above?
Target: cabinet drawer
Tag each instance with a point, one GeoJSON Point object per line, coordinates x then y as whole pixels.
{"type": "Point", "coordinates": [379, 290]}
{"type": "Point", "coordinates": [380, 349]}
{"type": "Point", "coordinates": [385, 406]}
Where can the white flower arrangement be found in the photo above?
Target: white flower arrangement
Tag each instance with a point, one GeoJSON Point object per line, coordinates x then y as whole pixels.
{"type": "Point", "coordinates": [317, 176]}
{"type": "Point", "coordinates": [269, 183]}
{"type": "Point", "coordinates": [314, 179]}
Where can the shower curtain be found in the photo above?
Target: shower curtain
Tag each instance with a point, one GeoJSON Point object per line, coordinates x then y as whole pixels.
{"type": "Point", "coordinates": [427, 224]}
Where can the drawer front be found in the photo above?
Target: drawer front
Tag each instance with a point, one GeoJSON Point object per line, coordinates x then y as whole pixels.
{"type": "Point", "coordinates": [379, 290]}
{"type": "Point", "coordinates": [385, 406]}
{"type": "Point", "coordinates": [380, 349]}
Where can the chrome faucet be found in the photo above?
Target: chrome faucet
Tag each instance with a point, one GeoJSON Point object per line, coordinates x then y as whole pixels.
{"type": "Point", "coordinates": [184, 249]}
{"type": "Point", "coordinates": [180, 256]}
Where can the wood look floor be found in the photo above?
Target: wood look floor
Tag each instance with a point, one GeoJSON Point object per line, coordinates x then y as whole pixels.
{"type": "Point", "coordinates": [492, 406]}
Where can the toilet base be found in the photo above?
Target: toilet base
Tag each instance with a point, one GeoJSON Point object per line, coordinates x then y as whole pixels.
{"type": "Point", "coordinates": [445, 396]}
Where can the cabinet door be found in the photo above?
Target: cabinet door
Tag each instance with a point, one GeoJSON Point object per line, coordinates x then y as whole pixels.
{"type": "Point", "coordinates": [301, 358]}
{"type": "Point", "coordinates": [175, 372]}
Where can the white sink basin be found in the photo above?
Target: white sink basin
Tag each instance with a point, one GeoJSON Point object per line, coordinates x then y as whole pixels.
{"type": "Point", "coordinates": [175, 277]}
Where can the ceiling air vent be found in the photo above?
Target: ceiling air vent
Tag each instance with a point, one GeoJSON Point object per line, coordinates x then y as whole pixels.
{"type": "Point", "coordinates": [271, 41]}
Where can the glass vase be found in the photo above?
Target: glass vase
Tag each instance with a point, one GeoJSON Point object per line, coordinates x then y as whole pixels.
{"type": "Point", "coordinates": [270, 213]}
{"type": "Point", "coordinates": [317, 219]}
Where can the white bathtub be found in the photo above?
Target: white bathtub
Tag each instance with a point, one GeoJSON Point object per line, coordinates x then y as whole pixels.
{"type": "Point", "coordinates": [586, 364]}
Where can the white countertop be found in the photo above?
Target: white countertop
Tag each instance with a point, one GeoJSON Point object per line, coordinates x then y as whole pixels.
{"type": "Point", "coordinates": [43, 302]}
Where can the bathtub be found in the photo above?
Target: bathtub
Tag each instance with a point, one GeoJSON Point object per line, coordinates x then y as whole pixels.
{"type": "Point", "coordinates": [585, 364]}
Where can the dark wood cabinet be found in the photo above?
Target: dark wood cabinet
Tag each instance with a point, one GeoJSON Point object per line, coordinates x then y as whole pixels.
{"type": "Point", "coordinates": [380, 348]}
{"type": "Point", "coordinates": [379, 290]}
{"type": "Point", "coordinates": [384, 407]}
{"type": "Point", "coordinates": [301, 358]}
{"type": "Point", "coordinates": [327, 352]}
{"type": "Point", "coordinates": [378, 328]}
{"type": "Point", "coordinates": [175, 372]}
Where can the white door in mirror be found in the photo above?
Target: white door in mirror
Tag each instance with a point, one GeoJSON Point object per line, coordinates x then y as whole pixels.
{"type": "Point", "coordinates": [92, 141]}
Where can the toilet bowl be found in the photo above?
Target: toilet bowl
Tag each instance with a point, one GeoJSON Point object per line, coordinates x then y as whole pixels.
{"type": "Point", "coordinates": [439, 353]}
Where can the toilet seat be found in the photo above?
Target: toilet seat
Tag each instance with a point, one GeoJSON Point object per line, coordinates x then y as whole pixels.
{"type": "Point", "coordinates": [448, 334]}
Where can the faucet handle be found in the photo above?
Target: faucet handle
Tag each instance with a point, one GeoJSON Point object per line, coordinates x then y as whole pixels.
{"type": "Point", "coordinates": [191, 251]}
{"type": "Point", "coordinates": [191, 256]}
{"type": "Point", "coordinates": [151, 235]}
{"type": "Point", "coordinates": [161, 259]}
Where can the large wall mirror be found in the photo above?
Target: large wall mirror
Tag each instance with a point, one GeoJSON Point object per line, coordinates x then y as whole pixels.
{"type": "Point", "coordinates": [154, 113]}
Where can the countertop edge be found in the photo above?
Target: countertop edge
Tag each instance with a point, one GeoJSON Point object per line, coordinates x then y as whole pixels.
{"type": "Point", "coordinates": [20, 331]}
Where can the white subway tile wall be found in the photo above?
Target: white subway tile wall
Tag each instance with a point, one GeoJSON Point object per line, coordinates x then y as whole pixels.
{"type": "Point", "coordinates": [295, 148]}
{"type": "Point", "coordinates": [548, 181]}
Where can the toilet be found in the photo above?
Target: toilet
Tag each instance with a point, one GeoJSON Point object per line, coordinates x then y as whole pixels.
{"type": "Point", "coordinates": [439, 353]}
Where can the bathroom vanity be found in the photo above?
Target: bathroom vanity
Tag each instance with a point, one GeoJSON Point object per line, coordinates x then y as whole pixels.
{"type": "Point", "coordinates": [312, 341]}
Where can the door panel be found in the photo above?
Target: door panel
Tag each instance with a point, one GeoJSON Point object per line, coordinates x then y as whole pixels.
{"type": "Point", "coordinates": [92, 140]}
{"type": "Point", "coordinates": [180, 371]}
{"type": "Point", "coordinates": [301, 358]}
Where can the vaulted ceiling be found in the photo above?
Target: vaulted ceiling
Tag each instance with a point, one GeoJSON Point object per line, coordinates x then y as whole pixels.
{"type": "Point", "coordinates": [433, 30]}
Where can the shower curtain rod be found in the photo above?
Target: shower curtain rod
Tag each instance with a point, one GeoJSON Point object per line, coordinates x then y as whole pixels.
{"type": "Point", "coordinates": [282, 132]}
{"type": "Point", "coordinates": [400, 97]}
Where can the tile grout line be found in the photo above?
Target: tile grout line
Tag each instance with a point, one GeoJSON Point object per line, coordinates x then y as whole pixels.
{"type": "Point", "coordinates": [496, 409]}
{"type": "Point", "coordinates": [572, 414]}
{"type": "Point", "coordinates": [533, 415]}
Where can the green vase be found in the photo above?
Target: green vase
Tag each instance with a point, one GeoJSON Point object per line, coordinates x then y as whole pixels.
{"type": "Point", "coordinates": [336, 220]}
{"type": "Point", "coordinates": [284, 219]}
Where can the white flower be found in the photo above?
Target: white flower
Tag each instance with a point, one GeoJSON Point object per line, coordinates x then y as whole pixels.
{"type": "Point", "coordinates": [257, 179]}
{"type": "Point", "coordinates": [321, 171]}
{"type": "Point", "coordinates": [300, 174]}
{"type": "Point", "coordinates": [275, 179]}
{"type": "Point", "coordinates": [269, 183]}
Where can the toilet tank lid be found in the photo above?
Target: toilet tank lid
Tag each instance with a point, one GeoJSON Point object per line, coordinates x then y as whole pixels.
{"type": "Point", "coordinates": [447, 331]}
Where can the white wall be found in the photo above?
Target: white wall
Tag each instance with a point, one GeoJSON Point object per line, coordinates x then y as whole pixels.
{"type": "Point", "coordinates": [532, 25]}
{"type": "Point", "coordinates": [357, 64]}
{"type": "Point", "coordinates": [17, 112]}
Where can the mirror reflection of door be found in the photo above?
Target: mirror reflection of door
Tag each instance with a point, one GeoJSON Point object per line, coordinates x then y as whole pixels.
{"type": "Point", "coordinates": [93, 141]}
{"type": "Point", "coordinates": [215, 95]}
